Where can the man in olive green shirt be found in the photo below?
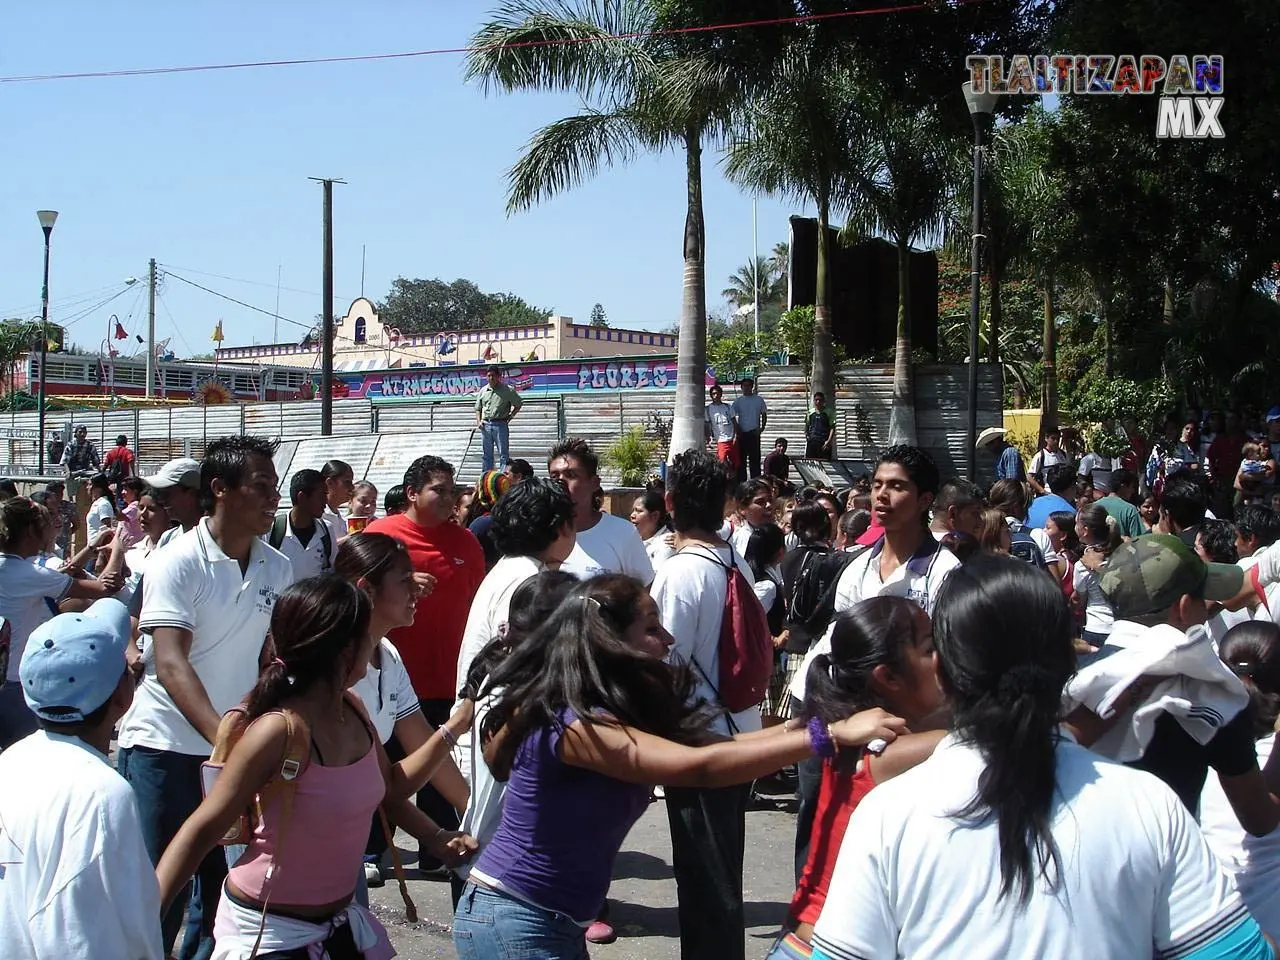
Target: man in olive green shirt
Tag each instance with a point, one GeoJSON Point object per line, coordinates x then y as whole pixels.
{"type": "Point", "coordinates": [496, 405]}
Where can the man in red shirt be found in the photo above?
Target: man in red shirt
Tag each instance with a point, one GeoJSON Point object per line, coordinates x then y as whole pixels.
{"type": "Point", "coordinates": [120, 464]}
{"type": "Point", "coordinates": [448, 563]}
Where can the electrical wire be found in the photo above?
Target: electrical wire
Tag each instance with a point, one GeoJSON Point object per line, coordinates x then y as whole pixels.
{"type": "Point", "coordinates": [69, 302]}
{"type": "Point", "coordinates": [174, 323]}
{"type": "Point", "coordinates": [359, 58]}
{"type": "Point", "coordinates": [255, 283]}
{"type": "Point", "coordinates": [249, 306]}
{"type": "Point", "coordinates": [77, 317]}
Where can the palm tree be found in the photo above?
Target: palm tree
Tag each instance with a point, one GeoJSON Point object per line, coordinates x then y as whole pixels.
{"type": "Point", "coordinates": [17, 337]}
{"type": "Point", "coordinates": [651, 91]}
{"type": "Point", "coordinates": [901, 192]}
{"type": "Point", "coordinates": [798, 142]}
{"type": "Point", "coordinates": [751, 281]}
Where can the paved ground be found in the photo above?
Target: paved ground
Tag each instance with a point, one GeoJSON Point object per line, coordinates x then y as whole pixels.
{"type": "Point", "coordinates": [643, 894]}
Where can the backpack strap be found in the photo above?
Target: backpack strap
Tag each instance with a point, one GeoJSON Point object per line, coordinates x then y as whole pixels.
{"type": "Point", "coordinates": [278, 528]}
{"type": "Point", "coordinates": [729, 569]}
{"type": "Point", "coordinates": [326, 541]}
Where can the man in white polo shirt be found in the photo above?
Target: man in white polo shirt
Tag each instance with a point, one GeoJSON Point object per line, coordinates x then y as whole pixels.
{"type": "Point", "coordinates": [302, 534]}
{"type": "Point", "coordinates": [207, 606]}
{"type": "Point", "coordinates": [906, 562]}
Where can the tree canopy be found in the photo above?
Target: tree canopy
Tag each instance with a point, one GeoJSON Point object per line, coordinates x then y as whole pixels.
{"type": "Point", "coordinates": [428, 306]}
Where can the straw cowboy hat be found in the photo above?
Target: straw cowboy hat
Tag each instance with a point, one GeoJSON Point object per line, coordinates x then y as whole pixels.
{"type": "Point", "coordinates": [989, 434]}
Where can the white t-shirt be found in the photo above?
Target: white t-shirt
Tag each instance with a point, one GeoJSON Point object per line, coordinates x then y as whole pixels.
{"type": "Point", "coordinates": [195, 586]}
{"type": "Point", "coordinates": [1254, 862]}
{"type": "Point", "coordinates": [911, 881]}
{"type": "Point", "coordinates": [919, 580]}
{"type": "Point", "coordinates": [1098, 615]}
{"type": "Point", "coordinates": [720, 417]}
{"type": "Point", "coordinates": [29, 595]}
{"type": "Point", "coordinates": [484, 806]}
{"type": "Point", "coordinates": [316, 555]}
{"type": "Point", "coordinates": [749, 411]}
{"type": "Point", "coordinates": [486, 620]}
{"type": "Point", "coordinates": [658, 549]}
{"type": "Point", "coordinates": [77, 882]}
{"type": "Point", "coordinates": [1098, 469]}
{"type": "Point", "coordinates": [1043, 460]}
{"type": "Point", "coordinates": [690, 591]}
{"type": "Point", "coordinates": [100, 516]}
{"type": "Point", "coordinates": [613, 545]}
{"type": "Point", "coordinates": [337, 526]}
{"type": "Point", "coordinates": [387, 692]}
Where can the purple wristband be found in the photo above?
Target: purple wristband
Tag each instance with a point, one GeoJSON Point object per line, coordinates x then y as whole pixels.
{"type": "Point", "coordinates": [820, 741]}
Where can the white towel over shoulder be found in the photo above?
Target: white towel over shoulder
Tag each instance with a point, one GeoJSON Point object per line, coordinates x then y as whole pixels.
{"type": "Point", "coordinates": [1200, 691]}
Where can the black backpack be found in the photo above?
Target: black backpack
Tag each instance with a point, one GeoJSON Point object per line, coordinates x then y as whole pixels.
{"type": "Point", "coordinates": [281, 526]}
{"type": "Point", "coordinates": [812, 604]}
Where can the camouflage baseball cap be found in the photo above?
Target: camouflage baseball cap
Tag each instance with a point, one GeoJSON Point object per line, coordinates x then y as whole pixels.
{"type": "Point", "coordinates": [1152, 573]}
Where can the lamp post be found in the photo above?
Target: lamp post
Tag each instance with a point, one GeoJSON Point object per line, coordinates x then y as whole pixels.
{"type": "Point", "coordinates": [47, 219]}
{"type": "Point", "coordinates": [981, 108]}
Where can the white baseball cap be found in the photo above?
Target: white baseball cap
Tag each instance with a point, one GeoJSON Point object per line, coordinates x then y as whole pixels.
{"type": "Point", "coordinates": [183, 472]}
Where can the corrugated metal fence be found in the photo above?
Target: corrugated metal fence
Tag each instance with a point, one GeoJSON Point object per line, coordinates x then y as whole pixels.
{"type": "Point", "coordinates": [444, 428]}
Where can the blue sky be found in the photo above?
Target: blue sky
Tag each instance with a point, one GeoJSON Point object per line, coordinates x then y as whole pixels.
{"type": "Point", "coordinates": [208, 172]}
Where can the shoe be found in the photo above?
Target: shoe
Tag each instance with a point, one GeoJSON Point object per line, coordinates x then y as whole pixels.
{"type": "Point", "coordinates": [600, 932]}
{"type": "Point", "coordinates": [372, 875]}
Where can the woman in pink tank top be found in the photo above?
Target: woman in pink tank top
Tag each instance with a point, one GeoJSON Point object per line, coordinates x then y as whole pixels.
{"type": "Point", "coordinates": [292, 889]}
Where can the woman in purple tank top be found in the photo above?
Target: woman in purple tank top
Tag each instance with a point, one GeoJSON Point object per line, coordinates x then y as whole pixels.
{"type": "Point", "coordinates": [590, 717]}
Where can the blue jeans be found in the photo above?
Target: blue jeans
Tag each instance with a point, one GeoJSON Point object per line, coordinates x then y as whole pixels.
{"type": "Point", "coordinates": [492, 926]}
{"type": "Point", "coordinates": [495, 437]}
{"type": "Point", "coordinates": [167, 787]}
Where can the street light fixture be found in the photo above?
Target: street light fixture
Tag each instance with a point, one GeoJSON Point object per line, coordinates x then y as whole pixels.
{"type": "Point", "coordinates": [47, 219]}
{"type": "Point", "coordinates": [981, 108]}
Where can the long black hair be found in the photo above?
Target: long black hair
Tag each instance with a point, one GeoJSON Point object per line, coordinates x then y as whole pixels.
{"type": "Point", "coordinates": [1252, 650]}
{"type": "Point", "coordinates": [873, 632]}
{"type": "Point", "coordinates": [763, 546]}
{"type": "Point", "coordinates": [317, 627]}
{"type": "Point", "coordinates": [1003, 634]}
{"type": "Point", "coordinates": [532, 604]}
{"type": "Point", "coordinates": [370, 556]}
{"type": "Point", "coordinates": [577, 661]}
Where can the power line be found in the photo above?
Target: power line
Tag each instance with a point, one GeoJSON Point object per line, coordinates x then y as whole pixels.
{"type": "Point", "coordinates": [360, 58]}
{"type": "Point", "coordinates": [222, 276]}
{"type": "Point", "coordinates": [248, 306]}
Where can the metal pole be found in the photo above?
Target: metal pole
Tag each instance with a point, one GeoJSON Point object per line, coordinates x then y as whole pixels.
{"type": "Point", "coordinates": [275, 320]}
{"type": "Point", "coordinates": [326, 347]}
{"type": "Point", "coordinates": [755, 265]}
{"type": "Point", "coordinates": [44, 349]}
{"type": "Point", "coordinates": [975, 295]}
{"type": "Point", "coordinates": [151, 328]}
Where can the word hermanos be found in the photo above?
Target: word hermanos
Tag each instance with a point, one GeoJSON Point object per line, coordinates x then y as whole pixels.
{"type": "Point", "coordinates": [1174, 80]}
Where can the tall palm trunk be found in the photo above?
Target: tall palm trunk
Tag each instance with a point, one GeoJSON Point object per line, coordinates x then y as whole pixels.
{"type": "Point", "coordinates": [824, 378]}
{"type": "Point", "coordinates": [691, 361]}
{"type": "Point", "coordinates": [1049, 388]}
{"type": "Point", "coordinates": [902, 417]}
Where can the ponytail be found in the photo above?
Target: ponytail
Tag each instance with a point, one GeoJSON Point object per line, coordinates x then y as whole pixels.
{"type": "Point", "coordinates": [1102, 527]}
{"type": "Point", "coordinates": [1252, 650]}
{"type": "Point", "coordinates": [1003, 634]}
{"type": "Point", "coordinates": [318, 627]}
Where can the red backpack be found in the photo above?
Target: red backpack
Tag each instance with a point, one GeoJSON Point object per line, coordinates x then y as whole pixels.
{"type": "Point", "coordinates": [746, 643]}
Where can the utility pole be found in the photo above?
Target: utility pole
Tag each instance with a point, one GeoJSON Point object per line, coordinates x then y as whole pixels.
{"type": "Point", "coordinates": [151, 328]}
{"type": "Point", "coordinates": [326, 337]}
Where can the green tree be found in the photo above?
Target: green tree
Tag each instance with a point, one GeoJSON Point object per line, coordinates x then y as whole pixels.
{"type": "Point", "coordinates": [508, 310]}
{"type": "Point", "coordinates": [644, 88]}
{"type": "Point", "coordinates": [756, 280]}
{"type": "Point", "coordinates": [598, 317]}
{"type": "Point", "coordinates": [17, 337]}
{"type": "Point", "coordinates": [900, 191]}
{"type": "Point", "coordinates": [429, 306]}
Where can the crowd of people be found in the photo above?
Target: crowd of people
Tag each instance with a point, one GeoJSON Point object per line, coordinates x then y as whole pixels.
{"type": "Point", "coordinates": [1011, 714]}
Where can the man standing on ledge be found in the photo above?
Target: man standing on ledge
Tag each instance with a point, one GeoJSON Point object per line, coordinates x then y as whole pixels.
{"type": "Point", "coordinates": [751, 416]}
{"type": "Point", "coordinates": [496, 405]}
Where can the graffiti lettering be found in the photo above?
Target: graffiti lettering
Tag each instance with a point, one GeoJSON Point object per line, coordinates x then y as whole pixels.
{"type": "Point", "coordinates": [628, 375]}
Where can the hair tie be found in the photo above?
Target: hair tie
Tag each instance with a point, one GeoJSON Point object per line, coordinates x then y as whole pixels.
{"type": "Point", "coordinates": [280, 663]}
{"type": "Point", "coordinates": [589, 602]}
{"type": "Point", "coordinates": [1028, 680]}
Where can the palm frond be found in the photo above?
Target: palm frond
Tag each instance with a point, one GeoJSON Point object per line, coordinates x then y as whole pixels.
{"type": "Point", "coordinates": [590, 46]}
{"type": "Point", "coordinates": [569, 152]}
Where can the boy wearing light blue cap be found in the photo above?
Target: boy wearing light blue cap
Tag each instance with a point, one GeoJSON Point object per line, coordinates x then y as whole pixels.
{"type": "Point", "coordinates": [75, 878]}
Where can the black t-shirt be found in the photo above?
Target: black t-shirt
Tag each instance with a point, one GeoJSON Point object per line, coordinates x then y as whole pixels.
{"type": "Point", "coordinates": [1175, 757]}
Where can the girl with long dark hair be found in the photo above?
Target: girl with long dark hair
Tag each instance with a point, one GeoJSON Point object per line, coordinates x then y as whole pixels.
{"type": "Point", "coordinates": [380, 566]}
{"type": "Point", "coordinates": [881, 656]}
{"type": "Point", "coordinates": [1099, 535]}
{"type": "Point", "coordinates": [1012, 840]}
{"type": "Point", "coordinates": [292, 889]}
{"type": "Point", "coordinates": [649, 515]}
{"type": "Point", "coordinates": [1252, 651]}
{"type": "Point", "coordinates": [589, 718]}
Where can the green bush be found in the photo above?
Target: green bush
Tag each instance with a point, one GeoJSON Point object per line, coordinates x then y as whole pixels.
{"type": "Point", "coordinates": [630, 455]}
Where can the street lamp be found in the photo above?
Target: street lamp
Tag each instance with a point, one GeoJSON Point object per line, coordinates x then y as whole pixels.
{"type": "Point", "coordinates": [47, 219]}
{"type": "Point", "coordinates": [981, 108]}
